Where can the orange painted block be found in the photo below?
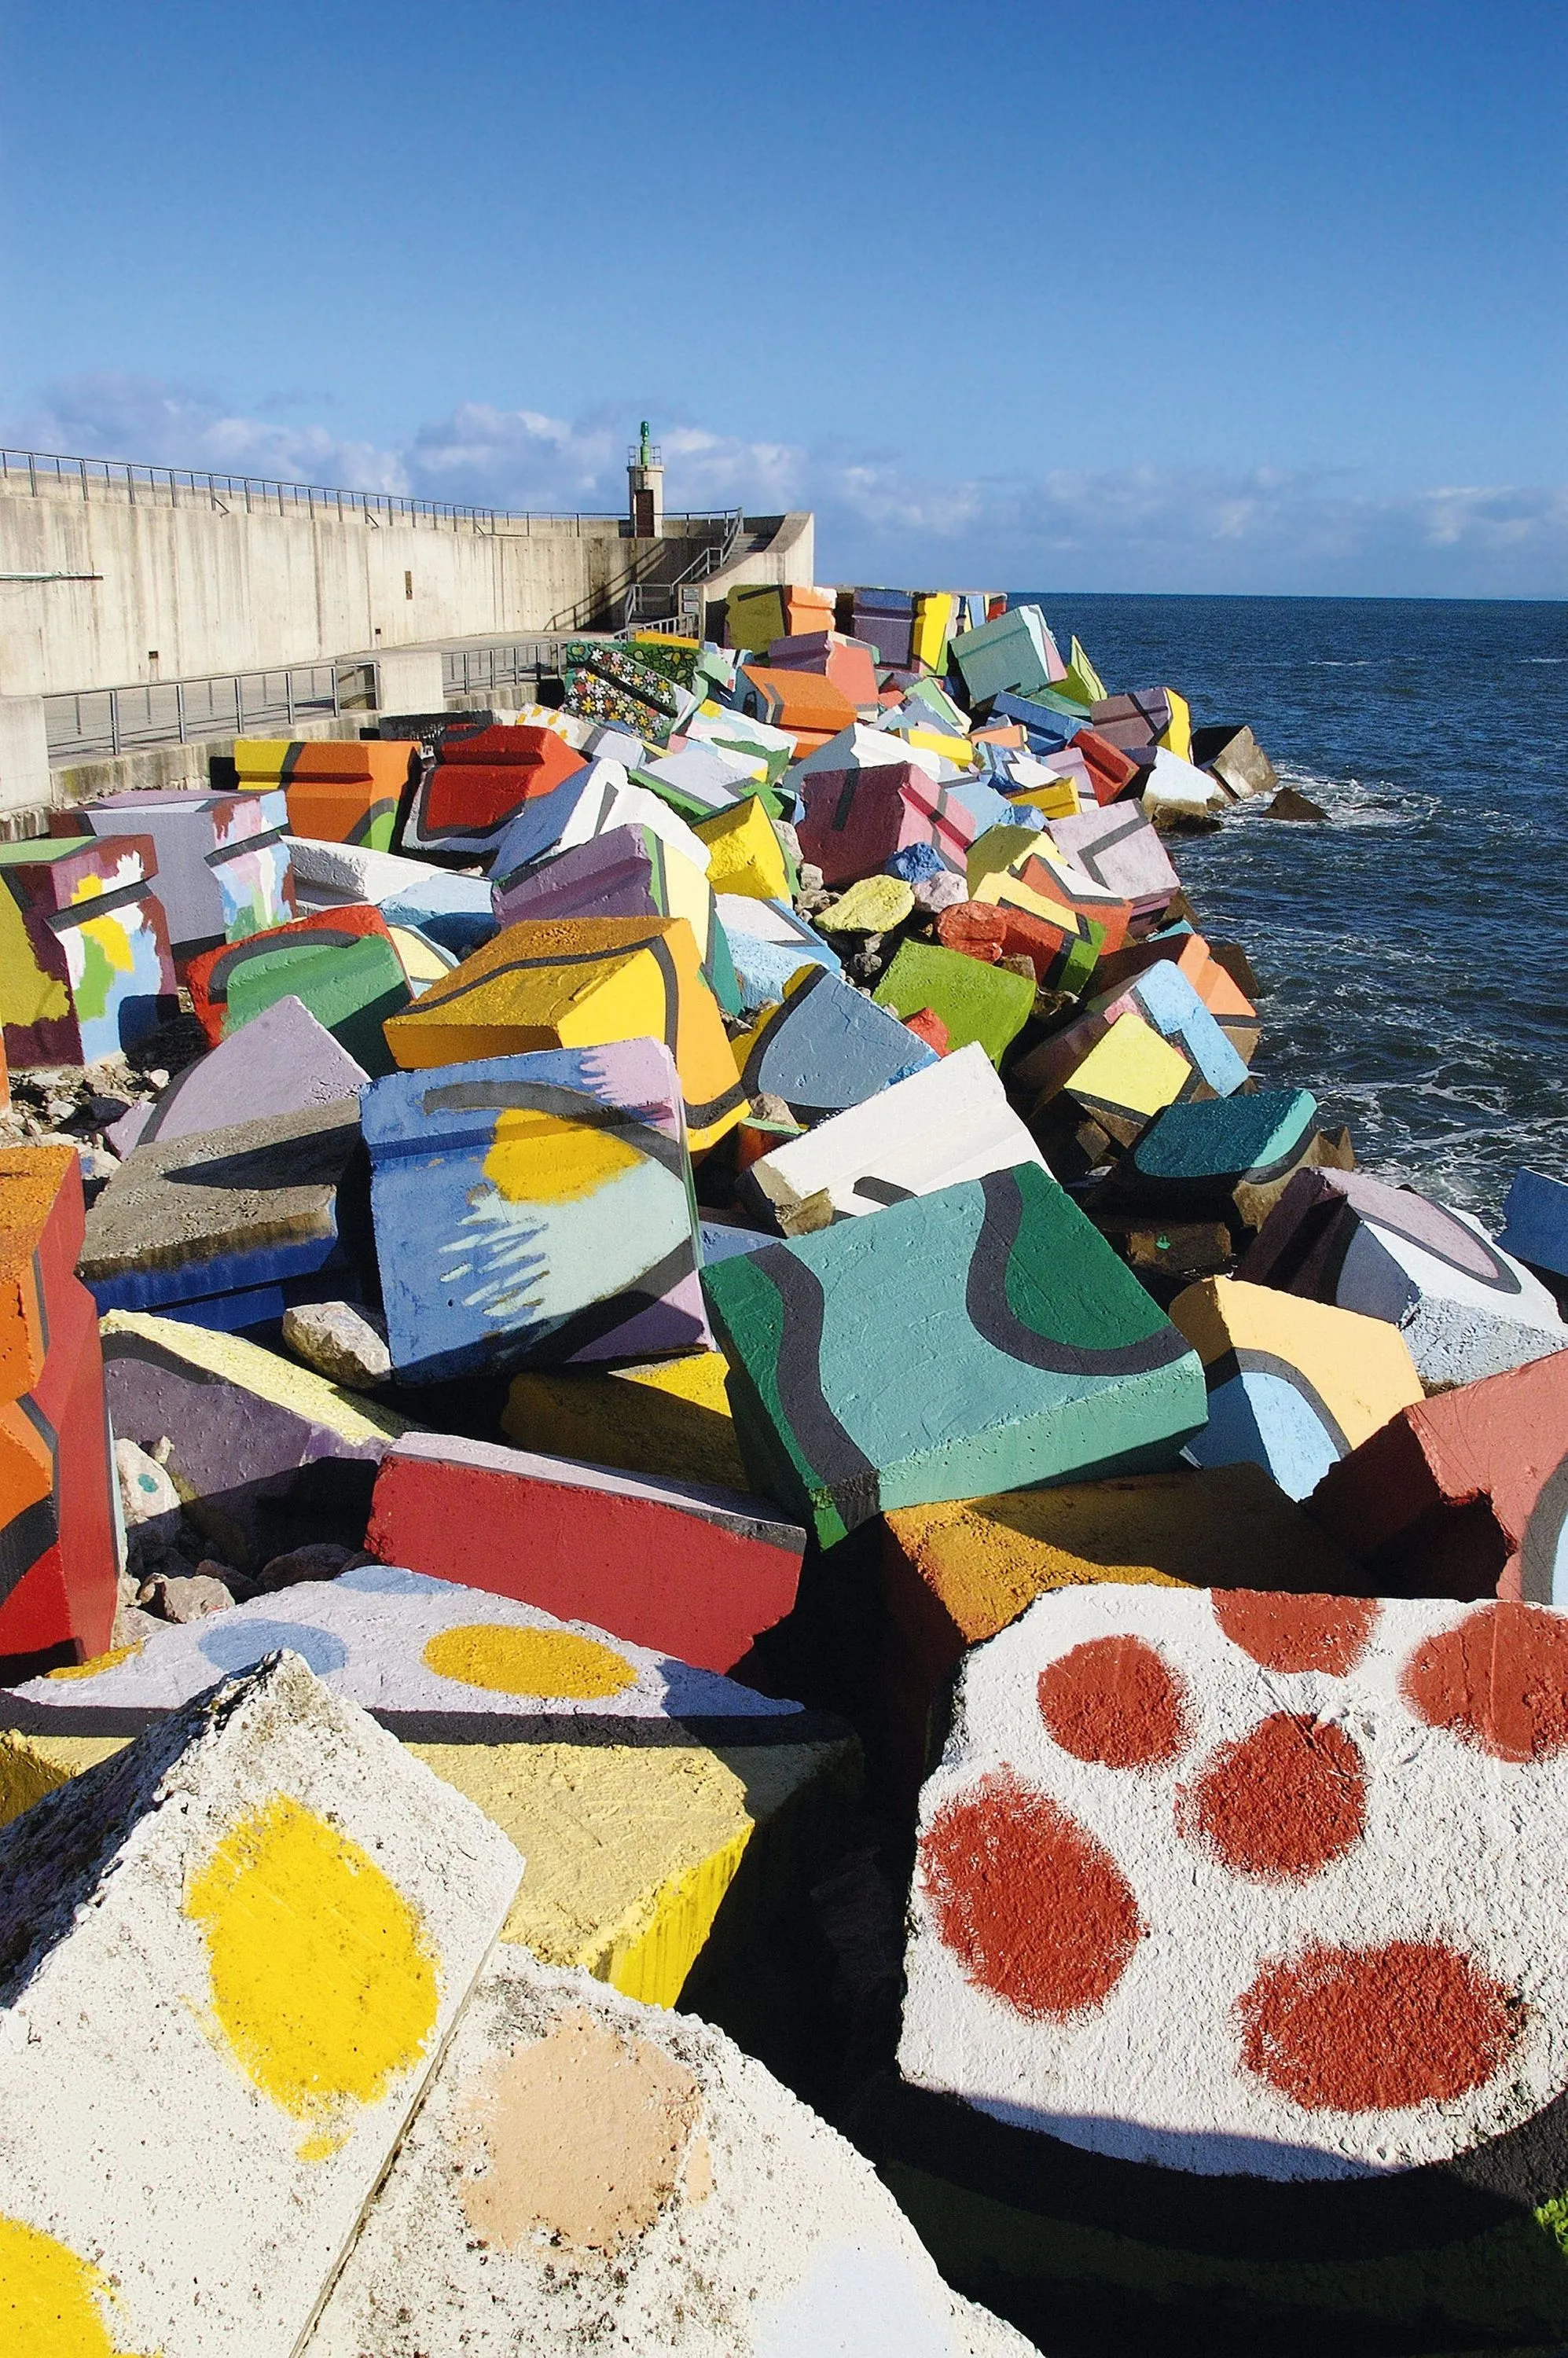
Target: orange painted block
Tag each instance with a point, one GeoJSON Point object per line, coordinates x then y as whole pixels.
{"type": "Point", "coordinates": [794, 699]}
{"type": "Point", "coordinates": [1221, 994]}
{"type": "Point", "coordinates": [1003, 732]}
{"type": "Point", "coordinates": [59, 1568]}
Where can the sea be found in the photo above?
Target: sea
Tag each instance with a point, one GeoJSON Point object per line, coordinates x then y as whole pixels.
{"type": "Point", "coordinates": [1414, 950]}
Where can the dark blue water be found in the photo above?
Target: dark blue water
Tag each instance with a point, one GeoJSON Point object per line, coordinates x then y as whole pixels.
{"type": "Point", "coordinates": [1414, 951]}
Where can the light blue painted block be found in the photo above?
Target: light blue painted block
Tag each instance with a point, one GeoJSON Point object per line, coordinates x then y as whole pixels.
{"type": "Point", "coordinates": [1264, 1420]}
{"type": "Point", "coordinates": [454, 911]}
{"type": "Point", "coordinates": [827, 1048]}
{"type": "Point", "coordinates": [535, 1210]}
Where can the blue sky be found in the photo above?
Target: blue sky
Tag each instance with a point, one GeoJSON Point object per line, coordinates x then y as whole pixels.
{"type": "Point", "coordinates": [1136, 297]}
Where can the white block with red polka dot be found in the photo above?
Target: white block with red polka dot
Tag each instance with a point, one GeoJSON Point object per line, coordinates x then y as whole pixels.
{"type": "Point", "coordinates": [1241, 1882]}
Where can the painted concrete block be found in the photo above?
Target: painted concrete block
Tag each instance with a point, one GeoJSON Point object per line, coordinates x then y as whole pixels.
{"type": "Point", "coordinates": [423, 961]}
{"type": "Point", "coordinates": [857, 819]}
{"type": "Point", "coordinates": [1165, 998]}
{"type": "Point", "coordinates": [222, 862]}
{"type": "Point", "coordinates": [227, 1226]}
{"type": "Point", "coordinates": [1146, 716]}
{"type": "Point", "coordinates": [495, 2234]}
{"type": "Point", "coordinates": [339, 962]}
{"type": "Point", "coordinates": [1336, 2121]}
{"type": "Point", "coordinates": [452, 910]}
{"type": "Point", "coordinates": [589, 803]}
{"type": "Point", "coordinates": [874, 904]}
{"type": "Point", "coordinates": [754, 615]}
{"type": "Point", "coordinates": [266, 1454]}
{"type": "Point", "coordinates": [252, 1947]}
{"type": "Point", "coordinates": [1464, 1495]}
{"type": "Point", "coordinates": [584, 982]}
{"type": "Point", "coordinates": [1007, 654]}
{"type": "Point", "coordinates": [887, 627]}
{"type": "Point", "coordinates": [947, 1123]}
{"type": "Point", "coordinates": [768, 944]}
{"type": "Point", "coordinates": [1235, 1013]}
{"type": "Point", "coordinates": [662, 1417]}
{"type": "Point", "coordinates": [535, 1208]}
{"type": "Point", "coordinates": [1122, 851]}
{"type": "Point", "coordinates": [339, 790]}
{"type": "Point", "coordinates": [1465, 1308]}
{"type": "Point", "coordinates": [1292, 1385]}
{"type": "Point", "coordinates": [58, 1549]}
{"type": "Point", "coordinates": [85, 962]}
{"type": "Point", "coordinates": [629, 872]}
{"type": "Point", "coordinates": [1114, 773]}
{"type": "Point", "coordinates": [666, 1814]}
{"type": "Point", "coordinates": [1232, 1156]}
{"type": "Point", "coordinates": [1080, 683]}
{"type": "Point", "coordinates": [1174, 789]}
{"type": "Point", "coordinates": [699, 779]}
{"type": "Point", "coordinates": [744, 854]}
{"type": "Point", "coordinates": [286, 1063]}
{"type": "Point", "coordinates": [1237, 760]}
{"type": "Point", "coordinates": [955, 1573]}
{"type": "Point", "coordinates": [697, 1570]}
{"type": "Point", "coordinates": [1126, 1078]}
{"type": "Point", "coordinates": [990, 1004]}
{"type": "Point", "coordinates": [1053, 1360]}
{"type": "Point", "coordinates": [1042, 882]}
{"type": "Point", "coordinates": [825, 1047]}
{"type": "Point", "coordinates": [480, 781]}
{"type": "Point", "coordinates": [802, 703]}
{"type": "Point", "coordinates": [1536, 1223]}
{"type": "Point", "coordinates": [1063, 949]}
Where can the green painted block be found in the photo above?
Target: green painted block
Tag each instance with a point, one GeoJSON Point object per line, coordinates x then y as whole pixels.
{"type": "Point", "coordinates": [982, 1338]}
{"type": "Point", "coordinates": [350, 990]}
{"type": "Point", "coordinates": [976, 1001]}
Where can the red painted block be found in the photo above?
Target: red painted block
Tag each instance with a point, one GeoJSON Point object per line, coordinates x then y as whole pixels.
{"type": "Point", "coordinates": [481, 779]}
{"type": "Point", "coordinates": [1111, 770]}
{"type": "Point", "coordinates": [695, 1571]}
{"type": "Point", "coordinates": [927, 1025]}
{"type": "Point", "coordinates": [57, 1561]}
{"type": "Point", "coordinates": [1465, 1495]}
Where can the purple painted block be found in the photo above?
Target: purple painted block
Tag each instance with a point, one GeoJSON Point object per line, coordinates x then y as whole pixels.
{"type": "Point", "coordinates": [266, 1456]}
{"type": "Point", "coordinates": [222, 859]}
{"type": "Point", "coordinates": [535, 1210]}
{"type": "Point", "coordinates": [282, 1063]}
{"type": "Point", "coordinates": [1117, 846]}
{"type": "Point", "coordinates": [611, 875]}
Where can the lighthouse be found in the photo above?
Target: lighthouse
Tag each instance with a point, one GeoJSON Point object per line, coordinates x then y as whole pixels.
{"type": "Point", "coordinates": [645, 486]}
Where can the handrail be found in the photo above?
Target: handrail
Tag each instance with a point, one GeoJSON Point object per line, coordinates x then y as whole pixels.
{"type": "Point", "coordinates": [270, 494]}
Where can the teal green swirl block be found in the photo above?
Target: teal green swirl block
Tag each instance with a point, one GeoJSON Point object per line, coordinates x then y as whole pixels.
{"type": "Point", "coordinates": [975, 1340]}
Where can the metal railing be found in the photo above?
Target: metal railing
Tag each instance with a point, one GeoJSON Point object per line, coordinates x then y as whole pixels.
{"type": "Point", "coordinates": [503, 663]}
{"type": "Point", "coordinates": [102, 722]}
{"type": "Point", "coordinates": [143, 485]}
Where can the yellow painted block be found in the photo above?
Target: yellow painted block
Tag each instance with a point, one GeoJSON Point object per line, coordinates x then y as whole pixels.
{"type": "Point", "coordinates": [1178, 737]}
{"type": "Point", "coordinates": [744, 854]}
{"type": "Point", "coordinates": [992, 853]}
{"type": "Point", "coordinates": [420, 960]}
{"type": "Point", "coordinates": [631, 1849]}
{"type": "Point", "coordinates": [1083, 683]}
{"type": "Point", "coordinates": [671, 1418]}
{"type": "Point", "coordinates": [754, 616]}
{"type": "Point", "coordinates": [958, 749]}
{"type": "Point", "coordinates": [582, 982]}
{"type": "Point", "coordinates": [1133, 1072]}
{"type": "Point", "coordinates": [933, 628]}
{"type": "Point", "coordinates": [955, 1574]}
{"type": "Point", "coordinates": [1058, 799]}
{"type": "Point", "coordinates": [873, 904]}
{"type": "Point", "coordinates": [1360, 1367]}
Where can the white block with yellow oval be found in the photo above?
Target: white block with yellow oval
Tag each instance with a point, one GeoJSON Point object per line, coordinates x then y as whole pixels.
{"type": "Point", "coordinates": [230, 1959]}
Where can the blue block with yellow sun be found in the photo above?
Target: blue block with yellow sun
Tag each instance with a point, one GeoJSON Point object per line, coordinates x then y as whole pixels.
{"type": "Point", "coordinates": [535, 1211]}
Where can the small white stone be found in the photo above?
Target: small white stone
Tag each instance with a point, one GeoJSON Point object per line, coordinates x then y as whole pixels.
{"type": "Point", "coordinates": [342, 1341]}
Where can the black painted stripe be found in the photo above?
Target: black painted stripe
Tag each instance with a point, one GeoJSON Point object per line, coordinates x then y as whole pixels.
{"type": "Point", "coordinates": [595, 1320]}
{"type": "Point", "coordinates": [30, 1534]}
{"type": "Point", "coordinates": [1543, 1536]}
{"type": "Point", "coordinates": [100, 904]}
{"type": "Point", "coordinates": [561, 1104]}
{"type": "Point", "coordinates": [834, 1457]}
{"type": "Point", "coordinates": [992, 1317]}
{"type": "Point", "coordinates": [233, 850]}
{"type": "Point", "coordinates": [881, 1190]}
{"type": "Point", "coordinates": [372, 818]}
{"type": "Point", "coordinates": [308, 937]}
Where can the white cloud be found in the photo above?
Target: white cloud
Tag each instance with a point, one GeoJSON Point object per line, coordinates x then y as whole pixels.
{"type": "Point", "coordinates": [1245, 529]}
